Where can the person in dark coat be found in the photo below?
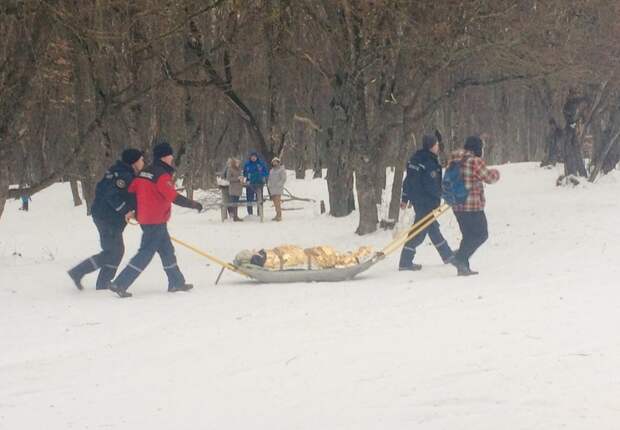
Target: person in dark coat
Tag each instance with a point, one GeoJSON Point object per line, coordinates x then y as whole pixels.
{"type": "Point", "coordinates": [422, 188]}
{"type": "Point", "coordinates": [255, 172]}
{"type": "Point", "coordinates": [155, 193]}
{"type": "Point", "coordinates": [111, 209]}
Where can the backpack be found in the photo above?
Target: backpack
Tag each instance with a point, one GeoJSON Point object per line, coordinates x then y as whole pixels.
{"type": "Point", "coordinates": [453, 187]}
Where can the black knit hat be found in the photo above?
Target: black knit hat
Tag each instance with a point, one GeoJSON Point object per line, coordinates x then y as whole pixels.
{"type": "Point", "coordinates": [428, 141]}
{"type": "Point", "coordinates": [131, 155]}
{"type": "Point", "coordinates": [474, 144]}
{"type": "Point", "coordinates": [162, 149]}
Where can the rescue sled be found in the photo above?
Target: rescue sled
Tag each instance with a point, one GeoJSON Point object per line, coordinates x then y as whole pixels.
{"type": "Point", "coordinates": [333, 274]}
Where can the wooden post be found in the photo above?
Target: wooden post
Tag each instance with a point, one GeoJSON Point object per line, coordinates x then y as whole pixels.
{"type": "Point", "coordinates": [259, 203]}
{"type": "Point", "coordinates": [225, 203]}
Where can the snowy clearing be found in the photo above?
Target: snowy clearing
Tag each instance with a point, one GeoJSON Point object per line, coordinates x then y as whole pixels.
{"type": "Point", "coordinates": [530, 343]}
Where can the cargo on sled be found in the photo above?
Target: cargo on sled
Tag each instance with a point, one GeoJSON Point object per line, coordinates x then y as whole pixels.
{"type": "Point", "coordinates": [289, 263]}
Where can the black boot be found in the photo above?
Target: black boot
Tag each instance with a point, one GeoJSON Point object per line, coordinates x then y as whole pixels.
{"type": "Point", "coordinates": [412, 267]}
{"type": "Point", "coordinates": [465, 271]}
{"type": "Point", "coordinates": [76, 278]}
{"type": "Point", "coordinates": [449, 260]}
{"type": "Point", "coordinates": [182, 287]}
{"type": "Point", "coordinates": [122, 293]}
{"type": "Point", "coordinates": [406, 260]}
{"type": "Point", "coordinates": [462, 268]}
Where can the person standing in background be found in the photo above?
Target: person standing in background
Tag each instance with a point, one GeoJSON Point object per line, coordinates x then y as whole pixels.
{"type": "Point", "coordinates": [234, 176]}
{"type": "Point", "coordinates": [255, 172]}
{"type": "Point", "coordinates": [275, 184]}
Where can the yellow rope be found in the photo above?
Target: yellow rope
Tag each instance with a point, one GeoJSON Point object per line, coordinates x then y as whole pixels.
{"type": "Point", "coordinates": [216, 260]}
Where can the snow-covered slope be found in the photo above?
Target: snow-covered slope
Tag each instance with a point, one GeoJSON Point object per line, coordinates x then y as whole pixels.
{"type": "Point", "coordinates": [530, 343]}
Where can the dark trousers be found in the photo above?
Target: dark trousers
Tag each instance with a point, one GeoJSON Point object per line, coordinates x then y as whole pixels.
{"type": "Point", "coordinates": [233, 211]}
{"type": "Point", "coordinates": [475, 232]}
{"type": "Point", "coordinates": [155, 239]}
{"type": "Point", "coordinates": [107, 261]}
{"type": "Point", "coordinates": [251, 191]}
{"type": "Point", "coordinates": [408, 253]}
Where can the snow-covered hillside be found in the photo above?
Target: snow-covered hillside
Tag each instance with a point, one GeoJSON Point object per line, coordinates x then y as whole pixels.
{"type": "Point", "coordinates": [530, 343]}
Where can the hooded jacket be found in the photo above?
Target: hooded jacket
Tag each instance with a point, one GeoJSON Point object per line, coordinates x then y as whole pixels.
{"type": "Point", "coordinates": [255, 171]}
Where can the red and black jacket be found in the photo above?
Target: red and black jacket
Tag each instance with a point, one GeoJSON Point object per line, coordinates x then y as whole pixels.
{"type": "Point", "coordinates": [155, 193]}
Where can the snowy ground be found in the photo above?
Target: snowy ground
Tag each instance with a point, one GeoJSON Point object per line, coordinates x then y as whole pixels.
{"type": "Point", "coordinates": [531, 343]}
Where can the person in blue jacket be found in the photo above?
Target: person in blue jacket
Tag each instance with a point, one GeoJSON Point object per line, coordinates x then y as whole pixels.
{"type": "Point", "coordinates": [26, 199]}
{"type": "Point", "coordinates": [422, 188]}
{"type": "Point", "coordinates": [255, 172]}
{"type": "Point", "coordinates": [111, 210]}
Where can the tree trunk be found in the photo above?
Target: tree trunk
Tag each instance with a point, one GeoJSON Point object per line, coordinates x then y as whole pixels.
{"type": "Point", "coordinates": [318, 165]}
{"type": "Point", "coordinates": [553, 145]}
{"type": "Point", "coordinates": [368, 171]}
{"type": "Point", "coordinates": [395, 197]}
{"type": "Point", "coordinates": [277, 123]}
{"type": "Point", "coordinates": [366, 186]}
{"type": "Point", "coordinates": [607, 142]}
{"type": "Point", "coordinates": [340, 188]}
{"type": "Point", "coordinates": [602, 157]}
{"type": "Point", "coordinates": [338, 148]}
{"type": "Point", "coordinates": [4, 181]}
{"type": "Point", "coordinates": [612, 159]}
{"type": "Point", "coordinates": [88, 189]}
{"type": "Point", "coordinates": [573, 158]}
{"type": "Point", "coordinates": [571, 145]}
{"type": "Point", "coordinates": [399, 171]}
{"type": "Point", "coordinates": [77, 201]}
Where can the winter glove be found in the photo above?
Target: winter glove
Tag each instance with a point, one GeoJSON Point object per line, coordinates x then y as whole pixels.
{"type": "Point", "coordinates": [197, 206]}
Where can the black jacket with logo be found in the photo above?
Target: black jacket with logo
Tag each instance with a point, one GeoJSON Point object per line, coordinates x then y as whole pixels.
{"type": "Point", "coordinates": [422, 185]}
{"type": "Point", "coordinates": [112, 200]}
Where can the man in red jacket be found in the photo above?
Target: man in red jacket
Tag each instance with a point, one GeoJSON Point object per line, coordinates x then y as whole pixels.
{"type": "Point", "coordinates": [155, 193]}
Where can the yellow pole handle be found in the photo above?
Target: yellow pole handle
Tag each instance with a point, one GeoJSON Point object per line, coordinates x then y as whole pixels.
{"type": "Point", "coordinates": [415, 229]}
{"type": "Point", "coordinates": [407, 232]}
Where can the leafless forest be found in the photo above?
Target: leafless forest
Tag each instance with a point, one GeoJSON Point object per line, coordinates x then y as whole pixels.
{"type": "Point", "coordinates": [343, 85]}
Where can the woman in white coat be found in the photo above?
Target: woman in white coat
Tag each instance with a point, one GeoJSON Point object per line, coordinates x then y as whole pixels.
{"type": "Point", "coordinates": [275, 183]}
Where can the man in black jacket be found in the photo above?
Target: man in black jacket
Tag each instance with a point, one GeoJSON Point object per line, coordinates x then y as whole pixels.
{"type": "Point", "coordinates": [422, 188]}
{"type": "Point", "coordinates": [112, 208]}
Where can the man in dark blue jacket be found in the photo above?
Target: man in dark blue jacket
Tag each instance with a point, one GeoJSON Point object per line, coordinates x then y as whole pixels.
{"type": "Point", "coordinates": [255, 172]}
{"type": "Point", "coordinates": [422, 188]}
{"type": "Point", "coordinates": [112, 208]}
